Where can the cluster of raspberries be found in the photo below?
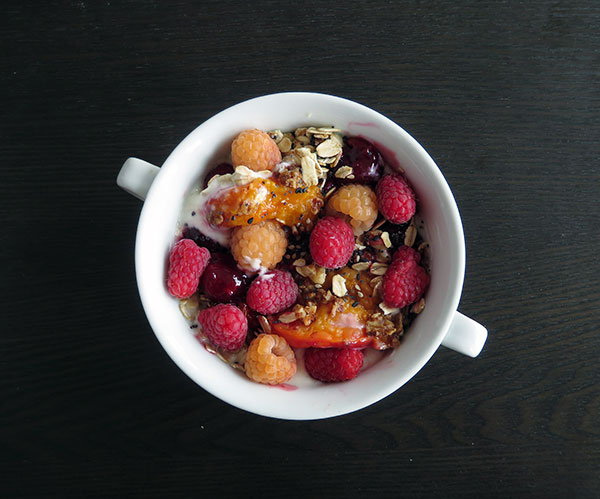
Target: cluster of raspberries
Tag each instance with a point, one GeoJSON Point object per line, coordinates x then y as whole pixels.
{"type": "Point", "coordinates": [332, 242]}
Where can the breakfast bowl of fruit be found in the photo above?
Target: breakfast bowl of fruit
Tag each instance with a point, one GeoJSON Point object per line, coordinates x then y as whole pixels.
{"type": "Point", "coordinates": [300, 256]}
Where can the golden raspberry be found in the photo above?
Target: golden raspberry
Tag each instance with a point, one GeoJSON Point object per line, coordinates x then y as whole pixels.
{"type": "Point", "coordinates": [270, 360]}
{"type": "Point", "coordinates": [258, 244]}
{"type": "Point", "coordinates": [256, 150]}
{"type": "Point", "coordinates": [358, 203]}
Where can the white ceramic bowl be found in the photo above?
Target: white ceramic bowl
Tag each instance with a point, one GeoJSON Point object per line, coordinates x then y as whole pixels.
{"type": "Point", "coordinates": [164, 190]}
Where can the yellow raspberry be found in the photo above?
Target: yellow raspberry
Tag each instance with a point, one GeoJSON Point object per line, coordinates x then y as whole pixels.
{"type": "Point", "coordinates": [258, 244]}
{"type": "Point", "coordinates": [358, 203]}
{"type": "Point", "coordinates": [270, 360]}
{"type": "Point", "coordinates": [256, 150]}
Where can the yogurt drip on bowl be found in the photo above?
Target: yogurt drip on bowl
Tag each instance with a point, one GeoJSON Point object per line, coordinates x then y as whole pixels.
{"type": "Point", "coordinates": [194, 212]}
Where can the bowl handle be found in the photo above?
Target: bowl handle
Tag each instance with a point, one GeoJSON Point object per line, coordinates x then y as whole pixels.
{"type": "Point", "coordinates": [136, 177]}
{"type": "Point", "coordinates": [465, 335]}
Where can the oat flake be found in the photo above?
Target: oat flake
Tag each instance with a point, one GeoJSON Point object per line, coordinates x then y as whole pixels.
{"type": "Point", "coordinates": [328, 148]}
{"type": "Point", "coordinates": [338, 286]}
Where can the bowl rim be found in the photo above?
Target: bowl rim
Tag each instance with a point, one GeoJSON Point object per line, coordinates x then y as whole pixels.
{"type": "Point", "coordinates": [376, 394]}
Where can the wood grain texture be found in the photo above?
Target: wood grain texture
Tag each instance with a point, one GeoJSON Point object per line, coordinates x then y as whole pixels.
{"type": "Point", "coordinates": [505, 97]}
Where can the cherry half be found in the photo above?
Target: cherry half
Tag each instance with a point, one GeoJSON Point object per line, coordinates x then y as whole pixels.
{"type": "Point", "coordinates": [364, 158]}
{"type": "Point", "coordinates": [222, 280]}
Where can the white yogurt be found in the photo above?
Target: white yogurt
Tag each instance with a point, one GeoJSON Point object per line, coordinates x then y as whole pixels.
{"type": "Point", "coordinates": [194, 212]}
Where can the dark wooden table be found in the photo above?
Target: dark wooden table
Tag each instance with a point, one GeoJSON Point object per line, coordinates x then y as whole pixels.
{"type": "Point", "coordinates": [504, 95]}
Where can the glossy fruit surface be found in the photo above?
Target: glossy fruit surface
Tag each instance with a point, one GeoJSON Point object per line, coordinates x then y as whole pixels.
{"type": "Point", "coordinates": [338, 323]}
{"type": "Point", "coordinates": [262, 200]}
{"type": "Point", "coordinates": [364, 158]}
{"type": "Point", "coordinates": [222, 280]}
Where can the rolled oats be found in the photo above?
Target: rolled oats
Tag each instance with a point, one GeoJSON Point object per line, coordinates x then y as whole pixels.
{"type": "Point", "coordinates": [378, 268]}
{"type": "Point", "coordinates": [385, 237]}
{"type": "Point", "coordinates": [190, 307]}
{"type": "Point", "coordinates": [338, 286]}
{"type": "Point", "coordinates": [410, 235]}
{"type": "Point", "coordinates": [383, 256]}
{"type": "Point", "coordinates": [309, 170]}
{"type": "Point", "coordinates": [326, 161]}
{"type": "Point", "coordinates": [264, 324]}
{"type": "Point", "coordinates": [285, 145]}
{"type": "Point", "coordinates": [376, 280]}
{"type": "Point", "coordinates": [313, 272]}
{"type": "Point", "coordinates": [329, 148]}
{"type": "Point", "coordinates": [322, 130]}
{"type": "Point", "coordinates": [244, 175]}
{"type": "Point", "coordinates": [319, 170]}
{"type": "Point", "coordinates": [288, 317]}
{"type": "Point", "coordinates": [376, 288]}
{"type": "Point", "coordinates": [418, 307]}
{"type": "Point", "coordinates": [276, 135]}
{"type": "Point", "coordinates": [388, 310]}
{"type": "Point", "coordinates": [338, 137]}
{"type": "Point", "coordinates": [335, 161]}
{"type": "Point", "coordinates": [300, 132]}
{"type": "Point", "coordinates": [344, 172]}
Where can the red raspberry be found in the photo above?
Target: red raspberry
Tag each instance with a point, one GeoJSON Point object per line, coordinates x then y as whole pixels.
{"type": "Point", "coordinates": [187, 261]}
{"type": "Point", "coordinates": [224, 325]}
{"type": "Point", "coordinates": [272, 292]}
{"type": "Point", "coordinates": [405, 253]}
{"type": "Point", "coordinates": [333, 364]}
{"type": "Point", "coordinates": [404, 282]}
{"type": "Point", "coordinates": [396, 199]}
{"type": "Point", "coordinates": [331, 242]}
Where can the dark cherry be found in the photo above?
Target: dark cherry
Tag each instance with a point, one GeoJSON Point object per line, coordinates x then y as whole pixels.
{"type": "Point", "coordinates": [364, 158]}
{"type": "Point", "coordinates": [202, 240]}
{"type": "Point", "coordinates": [220, 169]}
{"type": "Point", "coordinates": [251, 316]}
{"type": "Point", "coordinates": [329, 184]}
{"type": "Point", "coordinates": [396, 232]}
{"type": "Point", "coordinates": [286, 265]}
{"type": "Point", "coordinates": [222, 280]}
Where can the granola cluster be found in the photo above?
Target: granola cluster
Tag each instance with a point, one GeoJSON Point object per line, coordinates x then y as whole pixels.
{"type": "Point", "coordinates": [372, 255]}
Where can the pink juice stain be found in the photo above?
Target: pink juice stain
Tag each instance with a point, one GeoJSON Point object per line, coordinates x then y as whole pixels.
{"type": "Point", "coordinates": [286, 387]}
{"type": "Point", "coordinates": [389, 156]}
{"type": "Point", "coordinates": [365, 124]}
